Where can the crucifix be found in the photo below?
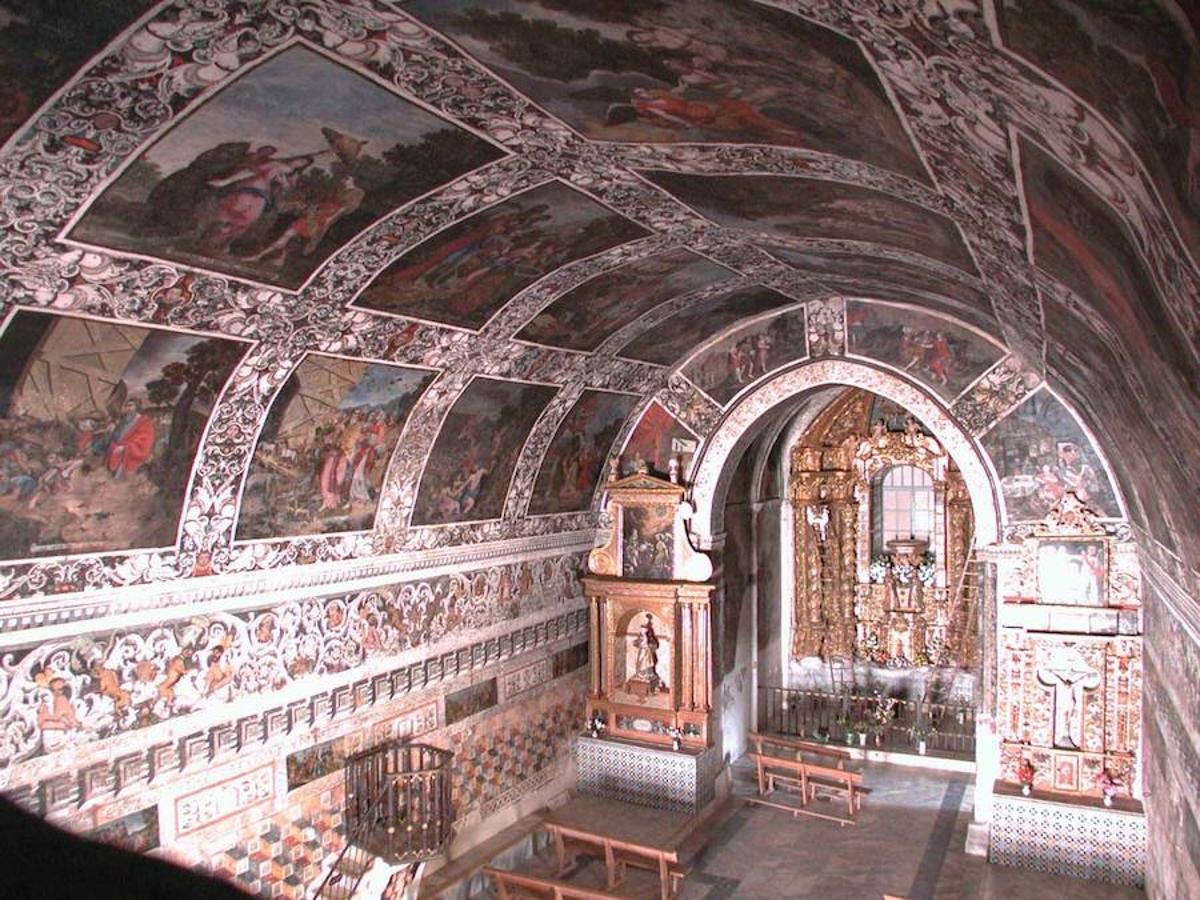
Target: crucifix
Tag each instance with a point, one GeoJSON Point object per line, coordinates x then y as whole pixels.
{"type": "Point", "coordinates": [1070, 675]}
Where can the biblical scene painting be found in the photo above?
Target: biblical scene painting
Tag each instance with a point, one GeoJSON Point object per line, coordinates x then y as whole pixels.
{"type": "Point", "coordinates": [572, 466]}
{"type": "Point", "coordinates": [710, 71]}
{"type": "Point", "coordinates": [813, 208]}
{"type": "Point", "coordinates": [99, 425]}
{"type": "Point", "coordinates": [584, 317]}
{"type": "Point", "coordinates": [1072, 572]}
{"type": "Point", "coordinates": [43, 43]}
{"type": "Point", "coordinates": [657, 439]}
{"type": "Point", "coordinates": [467, 474]}
{"type": "Point", "coordinates": [1040, 454]}
{"type": "Point", "coordinates": [874, 276]}
{"type": "Point", "coordinates": [647, 541]}
{"type": "Point", "coordinates": [935, 352]}
{"type": "Point", "coordinates": [667, 341]}
{"type": "Point", "coordinates": [464, 274]}
{"type": "Point", "coordinates": [471, 701]}
{"type": "Point", "coordinates": [745, 356]}
{"type": "Point", "coordinates": [1139, 66]}
{"type": "Point", "coordinates": [325, 445]}
{"type": "Point", "coordinates": [277, 171]}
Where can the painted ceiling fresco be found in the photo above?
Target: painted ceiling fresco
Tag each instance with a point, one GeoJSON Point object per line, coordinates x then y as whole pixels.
{"type": "Point", "coordinates": [583, 318]}
{"type": "Point", "coordinates": [250, 184]}
{"type": "Point", "coordinates": [888, 278]}
{"type": "Point", "coordinates": [575, 460]}
{"type": "Point", "coordinates": [669, 339]}
{"type": "Point", "coordinates": [324, 446]}
{"type": "Point", "coordinates": [671, 71]}
{"type": "Point", "coordinates": [462, 275]}
{"type": "Point", "coordinates": [100, 423]}
{"type": "Point", "coordinates": [944, 356]}
{"type": "Point", "coordinates": [723, 369]}
{"type": "Point", "coordinates": [808, 208]}
{"type": "Point", "coordinates": [366, 278]}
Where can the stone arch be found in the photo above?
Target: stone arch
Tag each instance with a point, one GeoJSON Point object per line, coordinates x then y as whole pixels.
{"type": "Point", "coordinates": [709, 469]}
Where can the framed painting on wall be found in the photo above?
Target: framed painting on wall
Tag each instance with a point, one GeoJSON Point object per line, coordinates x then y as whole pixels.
{"type": "Point", "coordinates": [1072, 572]}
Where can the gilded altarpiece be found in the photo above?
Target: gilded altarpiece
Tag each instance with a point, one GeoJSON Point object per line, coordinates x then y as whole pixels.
{"type": "Point", "coordinates": [910, 603]}
{"type": "Point", "coordinates": [1070, 662]}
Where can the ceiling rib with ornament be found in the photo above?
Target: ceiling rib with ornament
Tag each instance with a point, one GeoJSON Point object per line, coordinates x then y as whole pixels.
{"type": "Point", "coordinates": [305, 281]}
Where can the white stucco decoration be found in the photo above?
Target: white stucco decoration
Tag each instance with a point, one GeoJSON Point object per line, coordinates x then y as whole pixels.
{"type": "Point", "coordinates": [715, 450]}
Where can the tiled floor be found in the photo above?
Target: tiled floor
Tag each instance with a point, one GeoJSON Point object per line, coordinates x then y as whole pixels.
{"type": "Point", "coordinates": [908, 843]}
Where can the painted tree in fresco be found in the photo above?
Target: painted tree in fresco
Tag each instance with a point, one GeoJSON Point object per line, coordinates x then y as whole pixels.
{"type": "Point", "coordinates": [182, 385]}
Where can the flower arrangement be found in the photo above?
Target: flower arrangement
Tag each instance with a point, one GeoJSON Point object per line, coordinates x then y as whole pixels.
{"type": "Point", "coordinates": [596, 724]}
{"type": "Point", "coordinates": [1108, 786]}
{"type": "Point", "coordinates": [924, 571]}
{"type": "Point", "coordinates": [676, 735]}
{"type": "Point", "coordinates": [1025, 773]}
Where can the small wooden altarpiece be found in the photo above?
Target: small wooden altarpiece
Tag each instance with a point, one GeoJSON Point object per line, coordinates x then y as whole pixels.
{"type": "Point", "coordinates": [651, 634]}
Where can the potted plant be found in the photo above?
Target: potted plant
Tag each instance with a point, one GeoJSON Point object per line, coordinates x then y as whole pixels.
{"type": "Point", "coordinates": [843, 721]}
{"type": "Point", "coordinates": [920, 734]}
{"type": "Point", "coordinates": [877, 729]}
{"type": "Point", "coordinates": [860, 727]}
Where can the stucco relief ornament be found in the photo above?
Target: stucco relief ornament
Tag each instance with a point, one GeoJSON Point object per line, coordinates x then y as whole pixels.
{"type": "Point", "coordinates": [827, 327]}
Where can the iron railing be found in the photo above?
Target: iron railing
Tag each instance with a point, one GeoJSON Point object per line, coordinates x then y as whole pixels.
{"type": "Point", "coordinates": [948, 729]}
{"type": "Point", "coordinates": [397, 809]}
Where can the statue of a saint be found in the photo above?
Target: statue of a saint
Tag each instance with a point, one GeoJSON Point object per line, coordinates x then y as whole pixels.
{"type": "Point", "coordinates": [647, 655]}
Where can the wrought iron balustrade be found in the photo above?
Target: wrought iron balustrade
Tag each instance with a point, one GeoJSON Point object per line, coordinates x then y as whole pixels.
{"type": "Point", "coordinates": [948, 729]}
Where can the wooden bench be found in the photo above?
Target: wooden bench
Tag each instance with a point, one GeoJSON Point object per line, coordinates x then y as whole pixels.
{"type": "Point", "coordinates": [806, 779]}
{"type": "Point", "coordinates": [617, 854]}
{"type": "Point", "coordinates": [513, 885]}
{"type": "Point", "coordinates": [797, 746]}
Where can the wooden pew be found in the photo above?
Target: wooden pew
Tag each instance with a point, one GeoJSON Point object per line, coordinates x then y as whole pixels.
{"type": "Point", "coordinates": [838, 756]}
{"type": "Point", "coordinates": [617, 854]}
{"type": "Point", "coordinates": [513, 885]}
{"type": "Point", "coordinates": [805, 778]}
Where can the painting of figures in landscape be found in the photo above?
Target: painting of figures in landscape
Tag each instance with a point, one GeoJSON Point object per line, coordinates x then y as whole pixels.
{"type": "Point", "coordinates": [665, 342]}
{"type": "Point", "coordinates": [703, 71]}
{"type": "Point", "coordinates": [572, 466]}
{"type": "Point", "coordinates": [1040, 454]}
{"type": "Point", "coordinates": [745, 356]}
{"type": "Point", "coordinates": [586, 316]}
{"type": "Point", "coordinates": [462, 275]}
{"type": "Point", "coordinates": [468, 472]}
{"type": "Point", "coordinates": [647, 541]}
{"type": "Point", "coordinates": [789, 207]}
{"type": "Point", "coordinates": [1139, 66]}
{"type": "Point", "coordinates": [99, 424]}
{"type": "Point", "coordinates": [277, 171]}
{"type": "Point", "coordinates": [935, 352]}
{"type": "Point", "coordinates": [325, 446]}
{"type": "Point", "coordinates": [657, 438]}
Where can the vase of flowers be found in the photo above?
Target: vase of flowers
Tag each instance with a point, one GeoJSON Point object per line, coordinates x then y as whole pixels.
{"type": "Point", "coordinates": [1025, 773]}
{"type": "Point", "coordinates": [676, 736]}
{"type": "Point", "coordinates": [1108, 786]}
{"type": "Point", "coordinates": [920, 735]}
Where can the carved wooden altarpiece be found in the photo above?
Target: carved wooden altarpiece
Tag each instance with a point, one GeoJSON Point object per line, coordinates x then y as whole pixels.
{"type": "Point", "coordinates": [841, 608]}
{"type": "Point", "coordinates": [651, 635]}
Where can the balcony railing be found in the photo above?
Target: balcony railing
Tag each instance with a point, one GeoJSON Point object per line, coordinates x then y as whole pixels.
{"type": "Point", "coordinates": [948, 729]}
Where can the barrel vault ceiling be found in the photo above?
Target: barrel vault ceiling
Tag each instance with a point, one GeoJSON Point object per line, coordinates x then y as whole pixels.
{"type": "Point", "coordinates": [542, 214]}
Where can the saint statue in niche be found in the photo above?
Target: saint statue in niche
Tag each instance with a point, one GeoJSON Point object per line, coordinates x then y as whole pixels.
{"type": "Point", "coordinates": [647, 655]}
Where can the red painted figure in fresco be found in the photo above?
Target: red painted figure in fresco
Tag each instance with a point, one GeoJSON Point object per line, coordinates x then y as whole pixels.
{"type": "Point", "coordinates": [132, 440]}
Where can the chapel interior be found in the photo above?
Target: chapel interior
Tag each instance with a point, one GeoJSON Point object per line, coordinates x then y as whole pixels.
{"type": "Point", "coordinates": [594, 448]}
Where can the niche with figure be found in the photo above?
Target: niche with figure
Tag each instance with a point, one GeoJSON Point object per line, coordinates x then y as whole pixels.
{"type": "Point", "coordinates": [650, 619]}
